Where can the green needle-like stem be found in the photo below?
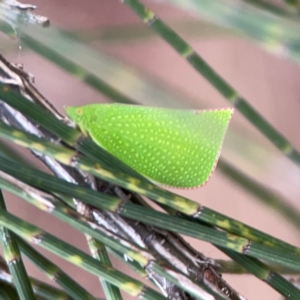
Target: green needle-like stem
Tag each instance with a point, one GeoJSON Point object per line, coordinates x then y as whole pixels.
{"type": "Point", "coordinates": [98, 251]}
{"type": "Point", "coordinates": [14, 261]}
{"type": "Point", "coordinates": [224, 88]}
{"type": "Point", "coordinates": [54, 272]}
{"type": "Point", "coordinates": [49, 242]}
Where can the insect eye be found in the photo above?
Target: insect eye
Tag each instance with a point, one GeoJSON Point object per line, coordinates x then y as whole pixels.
{"type": "Point", "coordinates": [79, 111]}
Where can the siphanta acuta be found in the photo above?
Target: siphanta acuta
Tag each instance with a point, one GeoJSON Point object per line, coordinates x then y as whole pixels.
{"type": "Point", "coordinates": [176, 148]}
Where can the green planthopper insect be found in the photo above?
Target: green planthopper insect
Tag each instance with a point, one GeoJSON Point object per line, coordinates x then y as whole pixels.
{"type": "Point", "coordinates": [176, 148]}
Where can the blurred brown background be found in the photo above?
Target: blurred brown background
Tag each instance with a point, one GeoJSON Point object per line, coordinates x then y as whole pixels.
{"type": "Point", "coordinates": [271, 84]}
